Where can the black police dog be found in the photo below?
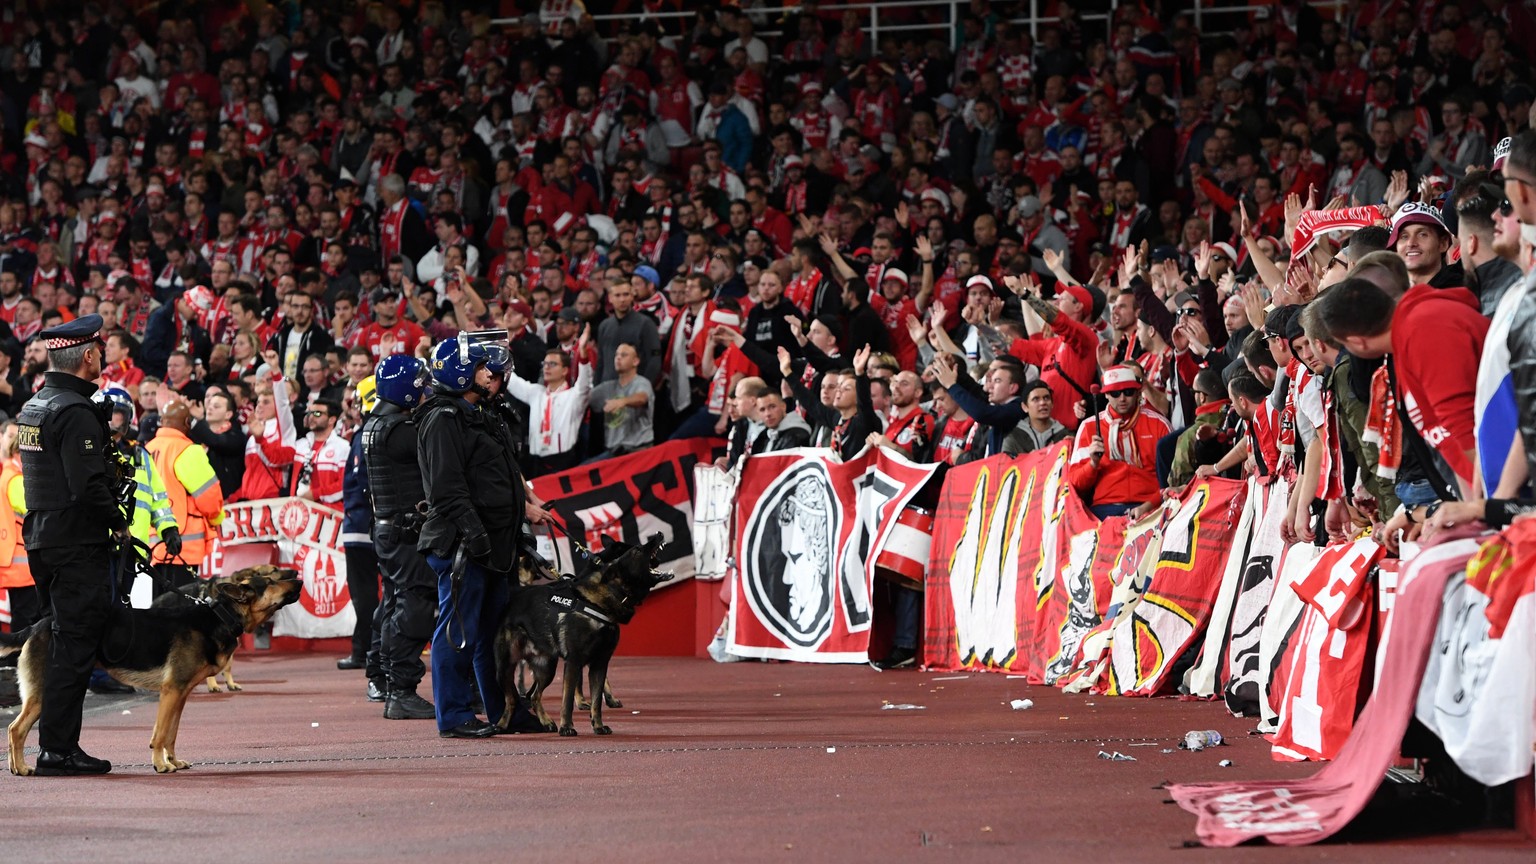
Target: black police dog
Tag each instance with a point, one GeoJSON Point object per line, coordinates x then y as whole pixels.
{"type": "Point", "coordinates": [169, 649]}
{"type": "Point", "coordinates": [575, 619]}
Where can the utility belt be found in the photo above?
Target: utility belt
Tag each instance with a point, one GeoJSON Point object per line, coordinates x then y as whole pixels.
{"type": "Point", "coordinates": [401, 528]}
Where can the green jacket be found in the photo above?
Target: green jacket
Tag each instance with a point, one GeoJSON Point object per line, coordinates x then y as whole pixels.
{"type": "Point", "coordinates": [1352, 415]}
{"type": "Point", "coordinates": [151, 506]}
{"type": "Point", "coordinates": [1183, 469]}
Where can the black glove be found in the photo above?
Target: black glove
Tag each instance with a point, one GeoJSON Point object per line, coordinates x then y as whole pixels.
{"type": "Point", "coordinates": [478, 546]}
{"type": "Point", "coordinates": [172, 539]}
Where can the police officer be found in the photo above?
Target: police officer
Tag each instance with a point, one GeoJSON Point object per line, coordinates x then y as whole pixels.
{"type": "Point", "coordinates": [149, 512]}
{"type": "Point", "coordinates": [406, 614]}
{"type": "Point", "coordinates": [476, 504]}
{"type": "Point", "coordinates": [72, 518]}
{"type": "Point", "coordinates": [362, 561]}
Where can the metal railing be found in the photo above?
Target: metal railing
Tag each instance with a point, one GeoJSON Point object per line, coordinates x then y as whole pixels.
{"type": "Point", "coordinates": [955, 11]}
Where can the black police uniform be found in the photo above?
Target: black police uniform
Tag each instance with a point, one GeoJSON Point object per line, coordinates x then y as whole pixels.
{"type": "Point", "coordinates": [409, 606]}
{"type": "Point", "coordinates": [71, 511]}
{"type": "Point", "coordinates": [476, 497]}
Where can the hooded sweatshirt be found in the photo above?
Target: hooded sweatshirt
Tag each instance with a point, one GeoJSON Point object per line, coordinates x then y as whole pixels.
{"type": "Point", "coordinates": [1437, 340]}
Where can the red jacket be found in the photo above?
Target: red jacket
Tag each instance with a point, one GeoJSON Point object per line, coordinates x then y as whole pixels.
{"type": "Point", "coordinates": [551, 202]}
{"type": "Point", "coordinates": [1071, 354]}
{"type": "Point", "coordinates": [1437, 339]}
{"type": "Point", "coordinates": [1115, 481]}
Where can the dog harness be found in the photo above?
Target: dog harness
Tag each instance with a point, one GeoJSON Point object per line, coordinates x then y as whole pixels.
{"type": "Point", "coordinates": [565, 597]}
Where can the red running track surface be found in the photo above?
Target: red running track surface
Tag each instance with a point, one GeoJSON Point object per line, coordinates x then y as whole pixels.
{"type": "Point", "coordinates": [708, 762]}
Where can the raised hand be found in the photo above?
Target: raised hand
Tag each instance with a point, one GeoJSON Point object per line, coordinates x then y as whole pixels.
{"type": "Point", "coordinates": [786, 362]}
{"type": "Point", "coordinates": [1397, 192]}
{"type": "Point", "coordinates": [903, 214]}
{"type": "Point", "coordinates": [924, 248]}
{"type": "Point", "coordinates": [1130, 265]}
{"type": "Point", "coordinates": [1051, 257]}
{"type": "Point", "coordinates": [861, 360]}
{"type": "Point", "coordinates": [916, 330]}
{"type": "Point", "coordinates": [1203, 261]}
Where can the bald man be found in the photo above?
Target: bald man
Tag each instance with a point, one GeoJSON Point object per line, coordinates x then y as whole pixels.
{"type": "Point", "coordinates": [197, 501]}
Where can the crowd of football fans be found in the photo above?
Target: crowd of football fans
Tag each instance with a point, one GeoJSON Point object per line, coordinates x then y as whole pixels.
{"type": "Point", "coordinates": [1190, 253]}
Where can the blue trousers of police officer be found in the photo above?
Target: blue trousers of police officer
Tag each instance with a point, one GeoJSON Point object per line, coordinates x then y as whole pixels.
{"type": "Point", "coordinates": [471, 618]}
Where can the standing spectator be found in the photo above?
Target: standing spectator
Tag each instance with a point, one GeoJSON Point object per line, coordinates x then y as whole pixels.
{"type": "Point", "coordinates": [220, 433]}
{"type": "Point", "coordinates": [555, 409]}
{"type": "Point", "coordinates": [627, 405]}
{"type": "Point", "coordinates": [197, 500]}
{"type": "Point", "coordinates": [320, 457]}
{"type": "Point", "coordinates": [1113, 463]}
{"type": "Point", "coordinates": [627, 327]}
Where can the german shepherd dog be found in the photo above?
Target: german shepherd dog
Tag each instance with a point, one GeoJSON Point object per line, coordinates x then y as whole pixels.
{"type": "Point", "coordinates": [577, 620]}
{"type": "Point", "coordinates": [169, 649]}
{"type": "Point", "coordinates": [204, 590]}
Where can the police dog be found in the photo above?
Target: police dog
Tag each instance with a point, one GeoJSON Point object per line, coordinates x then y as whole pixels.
{"type": "Point", "coordinates": [577, 620]}
{"type": "Point", "coordinates": [169, 649]}
{"type": "Point", "coordinates": [206, 590]}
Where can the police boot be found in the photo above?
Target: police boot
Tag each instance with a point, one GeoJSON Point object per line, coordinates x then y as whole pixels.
{"type": "Point", "coordinates": [406, 705]}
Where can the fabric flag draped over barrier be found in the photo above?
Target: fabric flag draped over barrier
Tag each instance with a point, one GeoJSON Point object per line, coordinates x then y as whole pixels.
{"type": "Point", "coordinates": [307, 537]}
{"type": "Point", "coordinates": [1298, 812]}
{"type": "Point", "coordinates": [629, 498]}
{"type": "Point", "coordinates": [1022, 577]}
{"type": "Point", "coordinates": [808, 531]}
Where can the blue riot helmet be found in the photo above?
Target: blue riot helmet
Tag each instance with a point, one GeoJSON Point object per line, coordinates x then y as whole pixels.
{"type": "Point", "coordinates": [402, 379]}
{"type": "Point", "coordinates": [453, 365]}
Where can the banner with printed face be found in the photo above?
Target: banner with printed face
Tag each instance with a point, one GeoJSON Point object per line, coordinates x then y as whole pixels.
{"type": "Point", "coordinates": [808, 531]}
{"type": "Point", "coordinates": [307, 536]}
{"type": "Point", "coordinates": [1150, 639]}
{"type": "Point", "coordinates": [629, 498]}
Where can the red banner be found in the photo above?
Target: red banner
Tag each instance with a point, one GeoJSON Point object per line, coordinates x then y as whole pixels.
{"type": "Point", "coordinates": [1022, 575]}
{"type": "Point", "coordinates": [629, 498]}
{"type": "Point", "coordinates": [1172, 614]}
{"type": "Point", "coordinates": [808, 531]}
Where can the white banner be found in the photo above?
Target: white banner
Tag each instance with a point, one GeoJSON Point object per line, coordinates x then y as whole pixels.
{"type": "Point", "coordinates": [308, 539]}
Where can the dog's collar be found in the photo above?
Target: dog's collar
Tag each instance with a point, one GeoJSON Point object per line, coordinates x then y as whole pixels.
{"type": "Point", "coordinates": [567, 598]}
{"type": "Point", "coordinates": [225, 614]}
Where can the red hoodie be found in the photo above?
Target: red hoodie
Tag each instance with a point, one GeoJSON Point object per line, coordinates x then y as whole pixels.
{"type": "Point", "coordinates": [1437, 339]}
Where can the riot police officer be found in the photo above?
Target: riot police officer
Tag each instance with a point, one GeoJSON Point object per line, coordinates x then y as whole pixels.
{"type": "Point", "coordinates": [476, 504]}
{"type": "Point", "coordinates": [72, 518]}
{"type": "Point", "coordinates": [405, 618]}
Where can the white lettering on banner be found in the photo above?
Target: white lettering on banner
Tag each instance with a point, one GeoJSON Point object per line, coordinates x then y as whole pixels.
{"type": "Point", "coordinates": [873, 493]}
{"type": "Point", "coordinates": [307, 536]}
{"type": "Point", "coordinates": [1054, 498]}
{"type": "Point", "coordinates": [985, 571]}
{"type": "Point", "coordinates": [603, 520]}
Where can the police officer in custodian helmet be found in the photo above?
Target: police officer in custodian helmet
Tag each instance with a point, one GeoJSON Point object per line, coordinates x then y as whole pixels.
{"type": "Point", "coordinates": [72, 517]}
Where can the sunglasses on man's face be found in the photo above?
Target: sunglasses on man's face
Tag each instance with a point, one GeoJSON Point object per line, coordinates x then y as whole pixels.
{"type": "Point", "coordinates": [318, 413]}
{"type": "Point", "coordinates": [1506, 209]}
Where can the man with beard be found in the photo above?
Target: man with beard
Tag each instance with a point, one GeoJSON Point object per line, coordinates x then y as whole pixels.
{"type": "Point", "coordinates": [301, 337]}
{"type": "Point", "coordinates": [909, 429]}
{"type": "Point", "coordinates": [1421, 239]}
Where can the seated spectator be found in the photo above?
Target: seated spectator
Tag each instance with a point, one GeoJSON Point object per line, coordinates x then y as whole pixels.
{"type": "Point", "coordinates": [1112, 464]}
